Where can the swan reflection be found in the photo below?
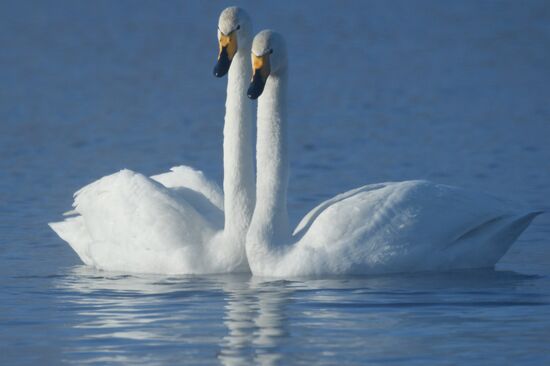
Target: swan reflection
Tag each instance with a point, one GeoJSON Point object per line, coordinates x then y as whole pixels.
{"type": "Point", "coordinates": [238, 319]}
{"type": "Point", "coordinates": [256, 321]}
{"type": "Point", "coordinates": [123, 316]}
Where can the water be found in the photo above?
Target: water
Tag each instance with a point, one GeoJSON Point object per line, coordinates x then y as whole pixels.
{"type": "Point", "coordinates": [452, 92]}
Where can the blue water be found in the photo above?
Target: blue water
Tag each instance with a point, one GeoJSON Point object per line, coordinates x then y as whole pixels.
{"type": "Point", "coordinates": [454, 92]}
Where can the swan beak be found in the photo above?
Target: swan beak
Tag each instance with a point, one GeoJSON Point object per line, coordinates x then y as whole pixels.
{"type": "Point", "coordinates": [228, 49]}
{"type": "Point", "coordinates": [262, 69]}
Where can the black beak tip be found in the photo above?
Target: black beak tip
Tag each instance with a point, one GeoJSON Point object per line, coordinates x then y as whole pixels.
{"type": "Point", "coordinates": [252, 93]}
{"type": "Point", "coordinates": [219, 71]}
{"type": "Point", "coordinates": [256, 87]}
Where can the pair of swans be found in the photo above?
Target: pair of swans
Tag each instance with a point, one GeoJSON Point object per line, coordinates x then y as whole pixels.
{"type": "Point", "coordinates": [180, 222]}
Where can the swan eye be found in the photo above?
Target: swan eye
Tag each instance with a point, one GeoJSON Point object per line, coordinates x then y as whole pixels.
{"type": "Point", "coordinates": [238, 27]}
{"type": "Point", "coordinates": [270, 51]}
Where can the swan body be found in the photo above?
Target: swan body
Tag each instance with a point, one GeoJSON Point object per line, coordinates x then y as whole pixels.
{"type": "Point", "coordinates": [129, 222]}
{"type": "Point", "coordinates": [177, 222]}
{"type": "Point", "coordinates": [378, 228]}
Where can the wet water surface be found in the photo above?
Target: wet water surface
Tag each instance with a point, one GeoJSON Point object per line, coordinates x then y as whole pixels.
{"type": "Point", "coordinates": [451, 92]}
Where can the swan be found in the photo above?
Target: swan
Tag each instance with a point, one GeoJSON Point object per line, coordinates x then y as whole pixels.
{"type": "Point", "coordinates": [375, 229]}
{"type": "Point", "coordinates": [178, 222]}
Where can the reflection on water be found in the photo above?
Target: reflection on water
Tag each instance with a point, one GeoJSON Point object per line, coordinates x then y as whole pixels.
{"type": "Point", "coordinates": [455, 92]}
{"type": "Point", "coordinates": [255, 320]}
{"type": "Point", "coordinates": [148, 319]}
{"type": "Point", "coordinates": [147, 310]}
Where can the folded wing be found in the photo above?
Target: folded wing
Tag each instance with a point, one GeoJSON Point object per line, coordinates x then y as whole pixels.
{"type": "Point", "coordinates": [130, 222]}
{"type": "Point", "coordinates": [407, 226]}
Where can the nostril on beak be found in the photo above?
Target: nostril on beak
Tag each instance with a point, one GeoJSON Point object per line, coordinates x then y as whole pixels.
{"type": "Point", "coordinates": [217, 72]}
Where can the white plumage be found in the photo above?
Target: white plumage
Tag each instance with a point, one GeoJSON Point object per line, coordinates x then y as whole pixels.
{"type": "Point", "coordinates": [378, 228]}
{"type": "Point", "coordinates": [176, 222]}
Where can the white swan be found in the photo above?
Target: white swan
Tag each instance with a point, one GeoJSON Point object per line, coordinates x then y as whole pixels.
{"type": "Point", "coordinates": [379, 228]}
{"type": "Point", "coordinates": [174, 222]}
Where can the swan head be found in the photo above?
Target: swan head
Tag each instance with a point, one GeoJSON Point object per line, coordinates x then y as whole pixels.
{"type": "Point", "coordinates": [268, 58]}
{"type": "Point", "coordinates": [234, 28]}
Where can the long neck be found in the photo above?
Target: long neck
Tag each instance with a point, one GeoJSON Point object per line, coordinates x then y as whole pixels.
{"type": "Point", "coordinates": [238, 158]}
{"type": "Point", "coordinates": [269, 228]}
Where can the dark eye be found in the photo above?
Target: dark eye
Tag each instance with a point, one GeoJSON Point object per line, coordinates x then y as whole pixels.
{"type": "Point", "coordinates": [270, 51]}
{"type": "Point", "coordinates": [238, 27]}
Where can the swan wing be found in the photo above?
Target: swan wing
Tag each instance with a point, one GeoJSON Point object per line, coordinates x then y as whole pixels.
{"type": "Point", "coordinates": [129, 222]}
{"type": "Point", "coordinates": [186, 177]}
{"type": "Point", "coordinates": [310, 217]}
{"type": "Point", "coordinates": [406, 226]}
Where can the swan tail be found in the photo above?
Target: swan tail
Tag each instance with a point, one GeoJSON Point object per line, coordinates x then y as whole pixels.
{"type": "Point", "coordinates": [485, 244]}
{"type": "Point", "coordinates": [517, 226]}
{"type": "Point", "coordinates": [74, 232]}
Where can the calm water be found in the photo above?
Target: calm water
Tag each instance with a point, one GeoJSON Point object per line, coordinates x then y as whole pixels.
{"type": "Point", "coordinates": [455, 92]}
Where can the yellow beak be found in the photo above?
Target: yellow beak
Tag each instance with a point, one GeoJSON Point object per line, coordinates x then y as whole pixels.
{"type": "Point", "coordinates": [227, 50]}
{"type": "Point", "coordinates": [261, 70]}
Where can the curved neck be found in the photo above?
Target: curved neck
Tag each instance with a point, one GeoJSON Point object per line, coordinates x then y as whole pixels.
{"type": "Point", "coordinates": [269, 228]}
{"type": "Point", "coordinates": [238, 158]}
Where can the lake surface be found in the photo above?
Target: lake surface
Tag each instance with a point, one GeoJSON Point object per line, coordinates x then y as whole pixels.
{"type": "Point", "coordinates": [454, 92]}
